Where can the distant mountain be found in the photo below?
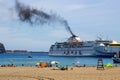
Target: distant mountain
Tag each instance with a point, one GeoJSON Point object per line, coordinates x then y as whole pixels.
{"type": "Point", "coordinates": [2, 48]}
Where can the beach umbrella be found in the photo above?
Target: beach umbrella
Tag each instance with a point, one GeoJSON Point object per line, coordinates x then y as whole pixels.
{"type": "Point", "coordinates": [37, 63]}
{"type": "Point", "coordinates": [55, 62]}
{"type": "Point", "coordinates": [77, 63]}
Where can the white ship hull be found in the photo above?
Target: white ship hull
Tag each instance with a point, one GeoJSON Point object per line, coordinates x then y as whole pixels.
{"type": "Point", "coordinates": [61, 55]}
{"type": "Point", "coordinates": [84, 54]}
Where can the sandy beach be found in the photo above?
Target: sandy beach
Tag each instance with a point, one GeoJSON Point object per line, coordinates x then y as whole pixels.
{"type": "Point", "coordinates": [81, 73]}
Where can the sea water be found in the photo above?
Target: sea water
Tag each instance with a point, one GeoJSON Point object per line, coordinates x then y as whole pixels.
{"type": "Point", "coordinates": [22, 58]}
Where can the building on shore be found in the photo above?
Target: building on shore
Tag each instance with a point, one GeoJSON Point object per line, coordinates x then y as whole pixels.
{"type": "Point", "coordinates": [16, 51]}
{"type": "Point", "coordinates": [9, 51]}
{"type": "Point", "coordinates": [20, 51]}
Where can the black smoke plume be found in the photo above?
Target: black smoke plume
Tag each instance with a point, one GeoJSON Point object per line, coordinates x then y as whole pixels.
{"type": "Point", "coordinates": [33, 16]}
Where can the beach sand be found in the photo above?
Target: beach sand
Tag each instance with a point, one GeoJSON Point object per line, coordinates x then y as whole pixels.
{"type": "Point", "coordinates": [78, 73]}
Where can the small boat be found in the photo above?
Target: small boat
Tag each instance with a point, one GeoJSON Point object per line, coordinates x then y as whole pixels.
{"type": "Point", "coordinates": [29, 56]}
{"type": "Point", "coordinates": [116, 58]}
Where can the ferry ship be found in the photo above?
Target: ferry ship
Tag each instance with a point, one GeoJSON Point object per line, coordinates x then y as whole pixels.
{"type": "Point", "coordinates": [75, 47]}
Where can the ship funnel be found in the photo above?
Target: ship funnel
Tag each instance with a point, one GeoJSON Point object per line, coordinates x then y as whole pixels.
{"type": "Point", "coordinates": [73, 39]}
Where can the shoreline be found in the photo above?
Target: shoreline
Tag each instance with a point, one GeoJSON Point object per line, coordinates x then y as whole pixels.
{"type": "Point", "coordinates": [25, 52]}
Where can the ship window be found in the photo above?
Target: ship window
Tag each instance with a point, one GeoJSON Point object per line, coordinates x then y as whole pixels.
{"type": "Point", "coordinates": [68, 52]}
{"type": "Point", "coordinates": [71, 51]}
{"type": "Point", "coordinates": [79, 52]}
{"type": "Point", "coordinates": [58, 46]}
{"type": "Point", "coordinates": [75, 52]}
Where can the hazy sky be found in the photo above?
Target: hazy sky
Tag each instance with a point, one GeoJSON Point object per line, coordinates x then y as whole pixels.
{"type": "Point", "coordinates": [87, 19]}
